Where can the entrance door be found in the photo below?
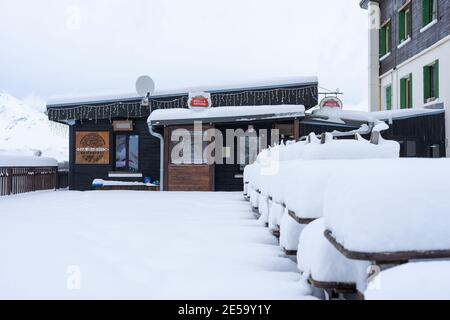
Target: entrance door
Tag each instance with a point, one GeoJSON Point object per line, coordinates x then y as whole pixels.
{"type": "Point", "coordinates": [187, 170]}
{"type": "Point", "coordinates": [127, 153]}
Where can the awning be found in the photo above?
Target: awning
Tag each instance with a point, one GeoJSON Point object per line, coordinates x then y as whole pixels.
{"type": "Point", "coordinates": [225, 114]}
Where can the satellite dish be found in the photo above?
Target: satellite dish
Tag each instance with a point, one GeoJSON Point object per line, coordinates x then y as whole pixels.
{"type": "Point", "coordinates": [144, 86]}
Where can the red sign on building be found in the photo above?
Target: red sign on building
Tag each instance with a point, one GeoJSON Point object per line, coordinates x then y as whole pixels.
{"type": "Point", "coordinates": [200, 102]}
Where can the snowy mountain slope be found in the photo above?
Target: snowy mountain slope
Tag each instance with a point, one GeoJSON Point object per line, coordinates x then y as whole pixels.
{"type": "Point", "coordinates": [26, 130]}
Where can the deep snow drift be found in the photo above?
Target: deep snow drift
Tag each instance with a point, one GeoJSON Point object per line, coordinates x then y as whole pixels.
{"type": "Point", "coordinates": [25, 130]}
{"type": "Point", "coordinates": [139, 245]}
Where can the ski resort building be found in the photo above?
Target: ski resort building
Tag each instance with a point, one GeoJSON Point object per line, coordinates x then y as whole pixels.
{"type": "Point", "coordinates": [409, 54]}
{"type": "Point", "coordinates": [110, 137]}
{"type": "Point", "coordinates": [130, 140]}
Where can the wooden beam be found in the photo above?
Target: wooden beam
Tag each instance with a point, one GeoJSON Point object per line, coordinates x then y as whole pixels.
{"type": "Point", "coordinates": [387, 257]}
{"type": "Point", "coordinates": [338, 287]}
{"type": "Point", "coordinates": [300, 220]}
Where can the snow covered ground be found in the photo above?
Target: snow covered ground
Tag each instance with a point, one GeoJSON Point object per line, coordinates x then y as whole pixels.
{"type": "Point", "coordinates": [139, 245]}
{"type": "Point", "coordinates": [25, 130]}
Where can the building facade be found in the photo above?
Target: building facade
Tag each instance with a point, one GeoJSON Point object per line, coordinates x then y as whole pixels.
{"type": "Point", "coordinates": [409, 54]}
{"type": "Point", "coordinates": [109, 137]}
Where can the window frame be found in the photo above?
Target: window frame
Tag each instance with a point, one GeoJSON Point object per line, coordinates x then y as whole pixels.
{"type": "Point", "coordinates": [406, 92]}
{"type": "Point", "coordinates": [193, 160]}
{"type": "Point", "coordinates": [405, 22]}
{"type": "Point", "coordinates": [431, 82]}
{"type": "Point", "coordinates": [433, 12]}
{"type": "Point", "coordinates": [385, 35]}
{"type": "Point", "coordinates": [127, 167]}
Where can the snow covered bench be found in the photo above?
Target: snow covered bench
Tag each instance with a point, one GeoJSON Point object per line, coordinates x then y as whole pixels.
{"type": "Point", "coordinates": [325, 267]}
{"type": "Point", "coordinates": [109, 185]}
{"type": "Point", "coordinates": [290, 180]}
{"type": "Point", "coordinates": [367, 219]}
{"type": "Point", "coordinates": [308, 179]}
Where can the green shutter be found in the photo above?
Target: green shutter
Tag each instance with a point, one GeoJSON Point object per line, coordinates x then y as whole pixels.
{"type": "Point", "coordinates": [401, 26]}
{"type": "Point", "coordinates": [403, 94]}
{"type": "Point", "coordinates": [426, 83]}
{"type": "Point", "coordinates": [426, 4]}
{"type": "Point", "coordinates": [436, 79]}
{"type": "Point", "coordinates": [389, 34]}
{"type": "Point", "coordinates": [382, 41]}
{"type": "Point", "coordinates": [410, 105]}
{"type": "Point", "coordinates": [389, 98]}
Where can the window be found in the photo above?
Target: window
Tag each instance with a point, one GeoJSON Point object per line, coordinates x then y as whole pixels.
{"type": "Point", "coordinates": [251, 151]}
{"type": "Point", "coordinates": [385, 39]}
{"type": "Point", "coordinates": [404, 23]}
{"type": "Point", "coordinates": [431, 82]}
{"type": "Point", "coordinates": [184, 148]}
{"type": "Point", "coordinates": [388, 97]}
{"type": "Point", "coordinates": [406, 99]}
{"type": "Point", "coordinates": [429, 11]}
{"type": "Point", "coordinates": [127, 153]}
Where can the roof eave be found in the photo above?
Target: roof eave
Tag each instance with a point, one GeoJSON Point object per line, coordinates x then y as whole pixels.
{"type": "Point", "coordinates": [94, 101]}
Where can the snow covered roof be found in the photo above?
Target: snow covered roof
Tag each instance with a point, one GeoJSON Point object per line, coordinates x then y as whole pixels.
{"type": "Point", "coordinates": [59, 101]}
{"type": "Point", "coordinates": [10, 160]}
{"type": "Point", "coordinates": [341, 116]}
{"type": "Point", "coordinates": [225, 114]}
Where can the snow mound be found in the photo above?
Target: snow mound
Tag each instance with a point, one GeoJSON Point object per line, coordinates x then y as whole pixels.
{"type": "Point", "coordinates": [397, 205]}
{"type": "Point", "coordinates": [412, 281]}
{"type": "Point", "coordinates": [26, 130]}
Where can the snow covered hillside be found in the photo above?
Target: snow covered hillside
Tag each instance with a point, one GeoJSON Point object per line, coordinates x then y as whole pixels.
{"type": "Point", "coordinates": [26, 130]}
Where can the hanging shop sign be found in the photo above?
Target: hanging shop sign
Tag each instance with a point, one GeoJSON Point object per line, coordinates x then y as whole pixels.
{"type": "Point", "coordinates": [92, 148]}
{"type": "Point", "coordinates": [199, 100]}
{"type": "Point", "coordinates": [331, 102]}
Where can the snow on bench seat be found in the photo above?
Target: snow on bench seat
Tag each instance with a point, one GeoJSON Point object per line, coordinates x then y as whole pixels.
{"type": "Point", "coordinates": [326, 267]}
{"type": "Point", "coordinates": [412, 281]}
{"type": "Point", "coordinates": [392, 210]}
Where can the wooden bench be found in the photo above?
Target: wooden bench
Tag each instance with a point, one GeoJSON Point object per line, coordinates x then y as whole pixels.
{"type": "Point", "coordinates": [276, 233]}
{"type": "Point", "coordinates": [300, 221]}
{"type": "Point", "coordinates": [334, 289]}
{"type": "Point", "coordinates": [303, 221]}
{"type": "Point", "coordinates": [256, 209]}
{"type": "Point", "coordinates": [382, 260]}
{"type": "Point", "coordinates": [246, 196]}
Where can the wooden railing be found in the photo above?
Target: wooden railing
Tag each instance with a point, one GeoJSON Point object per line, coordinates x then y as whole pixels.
{"type": "Point", "coordinates": [27, 179]}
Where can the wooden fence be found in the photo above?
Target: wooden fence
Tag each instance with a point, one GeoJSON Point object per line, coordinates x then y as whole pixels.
{"type": "Point", "coordinates": [28, 179]}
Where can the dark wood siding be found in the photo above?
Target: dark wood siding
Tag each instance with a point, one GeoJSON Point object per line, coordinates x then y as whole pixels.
{"type": "Point", "coordinates": [416, 135]}
{"type": "Point", "coordinates": [81, 176]}
{"type": "Point", "coordinates": [419, 40]}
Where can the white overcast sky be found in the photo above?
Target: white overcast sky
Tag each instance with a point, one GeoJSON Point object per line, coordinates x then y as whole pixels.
{"type": "Point", "coordinates": [45, 50]}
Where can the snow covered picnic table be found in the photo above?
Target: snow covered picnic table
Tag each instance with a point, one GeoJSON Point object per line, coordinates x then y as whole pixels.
{"type": "Point", "coordinates": [370, 221]}
{"type": "Point", "coordinates": [121, 244]}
